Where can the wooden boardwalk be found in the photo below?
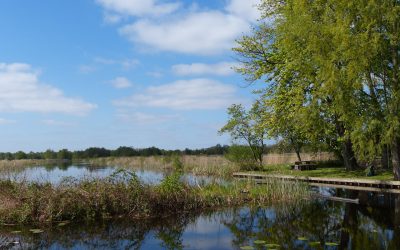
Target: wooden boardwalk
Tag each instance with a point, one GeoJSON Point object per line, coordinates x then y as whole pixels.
{"type": "Point", "coordinates": [345, 183]}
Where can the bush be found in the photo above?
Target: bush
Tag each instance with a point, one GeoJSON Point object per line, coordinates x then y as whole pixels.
{"type": "Point", "coordinates": [242, 156]}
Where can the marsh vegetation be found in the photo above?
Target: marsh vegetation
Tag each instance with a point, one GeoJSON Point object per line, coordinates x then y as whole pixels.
{"type": "Point", "coordinates": [124, 194]}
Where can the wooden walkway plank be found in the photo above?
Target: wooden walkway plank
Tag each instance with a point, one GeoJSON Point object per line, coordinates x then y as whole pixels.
{"type": "Point", "coordinates": [346, 183]}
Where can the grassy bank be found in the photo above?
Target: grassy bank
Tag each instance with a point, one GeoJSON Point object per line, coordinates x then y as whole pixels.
{"type": "Point", "coordinates": [123, 194]}
{"type": "Point", "coordinates": [327, 172]}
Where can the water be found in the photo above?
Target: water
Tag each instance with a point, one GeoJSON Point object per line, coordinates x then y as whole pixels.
{"type": "Point", "coordinates": [56, 173]}
{"type": "Point", "coordinates": [343, 226]}
{"type": "Point", "coordinates": [373, 224]}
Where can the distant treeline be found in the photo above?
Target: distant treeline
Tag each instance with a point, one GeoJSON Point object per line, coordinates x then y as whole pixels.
{"type": "Point", "coordinates": [124, 151]}
{"type": "Point", "coordinates": [96, 152]}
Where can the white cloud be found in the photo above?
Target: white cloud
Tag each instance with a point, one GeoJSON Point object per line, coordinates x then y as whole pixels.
{"type": "Point", "coordinates": [137, 7]}
{"type": "Point", "coordinates": [146, 118]}
{"type": "Point", "coordinates": [121, 83]}
{"type": "Point", "coordinates": [220, 69]}
{"type": "Point", "coordinates": [196, 32]}
{"type": "Point", "coordinates": [184, 95]}
{"type": "Point", "coordinates": [124, 63]}
{"type": "Point", "coordinates": [21, 90]}
{"type": "Point", "coordinates": [6, 121]}
{"type": "Point", "coordinates": [51, 122]}
{"type": "Point", "coordinates": [246, 9]}
{"type": "Point", "coordinates": [202, 33]}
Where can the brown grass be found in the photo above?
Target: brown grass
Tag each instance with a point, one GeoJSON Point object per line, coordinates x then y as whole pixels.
{"type": "Point", "coordinates": [290, 158]}
{"type": "Point", "coordinates": [123, 194]}
{"type": "Point", "coordinates": [203, 165]}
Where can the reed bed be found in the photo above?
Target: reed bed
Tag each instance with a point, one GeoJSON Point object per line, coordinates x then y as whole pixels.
{"type": "Point", "coordinates": [123, 194]}
{"type": "Point", "coordinates": [217, 166]}
{"type": "Point", "coordinates": [203, 165]}
{"type": "Point", "coordinates": [18, 164]}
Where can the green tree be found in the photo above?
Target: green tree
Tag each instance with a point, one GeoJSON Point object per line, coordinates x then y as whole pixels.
{"type": "Point", "coordinates": [289, 112]}
{"type": "Point", "coordinates": [353, 50]}
{"type": "Point", "coordinates": [334, 65]}
{"type": "Point", "coordinates": [247, 126]}
{"type": "Point", "coordinates": [49, 154]}
{"type": "Point", "coordinates": [64, 154]}
{"type": "Point", "coordinates": [20, 155]}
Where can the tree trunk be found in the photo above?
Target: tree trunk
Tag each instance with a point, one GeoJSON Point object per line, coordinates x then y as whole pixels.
{"type": "Point", "coordinates": [396, 159]}
{"type": "Point", "coordinates": [349, 158]}
{"type": "Point", "coordinates": [385, 160]}
{"type": "Point", "coordinates": [298, 154]}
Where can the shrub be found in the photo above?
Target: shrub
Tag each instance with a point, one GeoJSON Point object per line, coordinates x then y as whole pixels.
{"type": "Point", "coordinates": [242, 156]}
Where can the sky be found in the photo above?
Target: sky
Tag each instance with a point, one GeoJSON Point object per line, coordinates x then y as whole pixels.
{"type": "Point", "coordinates": [107, 73]}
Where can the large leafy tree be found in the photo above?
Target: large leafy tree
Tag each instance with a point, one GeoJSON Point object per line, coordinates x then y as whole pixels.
{"type": "Point", "coordinates": [354, 47]}
{"type": "Point", "coordinates": [350, 52]}
{"type": "Point", "coordinates": [294, 113]}
{"type": "Point", "coordinates": [333, 73]}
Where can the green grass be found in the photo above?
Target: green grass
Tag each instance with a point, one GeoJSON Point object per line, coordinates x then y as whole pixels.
{"type": "Point", "coordinates": [326, 172]}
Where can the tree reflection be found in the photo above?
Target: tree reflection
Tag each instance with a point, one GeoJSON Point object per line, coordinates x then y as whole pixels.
{"type": "Point", "coordinates": [373, 225]}
{"type": "Point", "coordinates": [116, 234]}
{"type": "Point", "coordinates": [349, 225]}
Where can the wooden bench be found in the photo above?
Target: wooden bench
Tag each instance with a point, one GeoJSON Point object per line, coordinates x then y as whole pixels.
{"type": "Point", "coordinates": [304, 165]}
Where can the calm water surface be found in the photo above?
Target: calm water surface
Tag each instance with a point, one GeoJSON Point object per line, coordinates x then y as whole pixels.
{"type": "Point", "coordinates": [317, 224]}
{"type": "Point", "coordinates": [334, 225]}
{"type": "Point", "coordinates": [56, 173]}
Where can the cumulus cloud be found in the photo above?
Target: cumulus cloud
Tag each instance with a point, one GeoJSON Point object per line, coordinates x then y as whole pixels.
{"type": "Point", "coordinates": [21, 90]}
{"type": "Point", "coordinates": [146, 118]}
{"type": "Point", "coordinates": [190, 30]}
{"type": "Point", "coordinates": [246, 9]}
{"type": "Point", "coordinates": [121, 83]}
{"type": "Point", "coordinates": [203, 33]}
{"type": "Point", "coordinates": [219, 69]}
{"type": "Point", "coordinates": [136, 8]}
{"type": "Point", "coordinates": [184, 95]}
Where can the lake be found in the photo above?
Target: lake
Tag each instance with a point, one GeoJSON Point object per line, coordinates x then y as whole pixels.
{"type": "Point", "coordinates": [315, 224]}
{"type": "Point", "coordinates": [55, 173]}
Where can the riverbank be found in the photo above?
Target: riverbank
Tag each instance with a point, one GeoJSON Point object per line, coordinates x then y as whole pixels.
{"type": "Point", "coordinates": [123, 194]}
{"type": "Point", "coordinates": [216, 165]}
{"type": "Point", "coordinates": [326, 172]}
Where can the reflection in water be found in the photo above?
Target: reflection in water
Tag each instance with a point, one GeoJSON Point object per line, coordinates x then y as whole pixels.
{"type": "Point", "coordinates": [55, 174]}
{"type": "Point", "coordinates": [344, 226]}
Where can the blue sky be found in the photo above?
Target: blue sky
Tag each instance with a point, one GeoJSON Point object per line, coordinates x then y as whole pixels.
{"type": "Point", "coordinates": [75, 74]}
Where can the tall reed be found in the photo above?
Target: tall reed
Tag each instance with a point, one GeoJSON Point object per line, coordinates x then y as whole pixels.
{"type": "Point", "coordinates": [123, 194]}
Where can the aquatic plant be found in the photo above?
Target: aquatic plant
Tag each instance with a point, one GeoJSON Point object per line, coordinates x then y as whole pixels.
{"type": "Point", "coordinates": [123, 194]}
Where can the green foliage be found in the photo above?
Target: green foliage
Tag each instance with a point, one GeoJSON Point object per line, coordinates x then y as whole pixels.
{"type": "Point", "coordinates": [64, 154]}
{"type": "Point", "coordinates": [177, 163]}
{"type": "Point", "coordinates": [96, 152]}
{"type": "Point", "coordinates": [172, 184]}
{"type": "Point", "coordinates": [332, 69]}
{"type": "Point", "coordinates": [49, 154]}
{"type": "Point", "coordinates": [247, 126]}
{"type": "Point", "coordinates": [242, 156]}
{"type": "Point", "coordinates": [20, 155]}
